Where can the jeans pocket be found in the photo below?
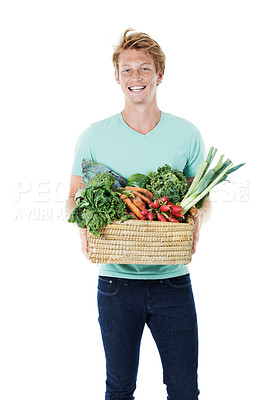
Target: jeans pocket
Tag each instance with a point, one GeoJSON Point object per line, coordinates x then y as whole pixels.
{"type": "Point", "coordinates": [179, 282]}
{"type": "Point", "coordinates": [108, 286]}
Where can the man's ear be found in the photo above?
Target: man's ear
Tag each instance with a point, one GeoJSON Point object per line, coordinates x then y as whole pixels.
{"type": "Point", "coordinates": [160, 77]}
{"type": "Point", "coordinates": [117, 77]}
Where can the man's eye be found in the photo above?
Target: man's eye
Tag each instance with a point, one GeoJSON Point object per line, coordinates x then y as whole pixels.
{"type": "Point", "coordinates": [126, 70]}
{"type": "Point", "coordinates": [145, 69]}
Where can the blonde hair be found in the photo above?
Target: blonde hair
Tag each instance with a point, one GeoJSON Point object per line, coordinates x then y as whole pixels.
{"type": "Point", "coordinates": [139, 41]}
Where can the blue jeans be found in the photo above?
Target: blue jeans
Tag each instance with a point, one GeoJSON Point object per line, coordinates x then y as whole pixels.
{"type": "Point", "coordinates": [167, 307]}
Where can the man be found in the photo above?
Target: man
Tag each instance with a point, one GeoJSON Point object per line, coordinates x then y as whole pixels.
{"type": "Point", "coordinates": [140, 139]}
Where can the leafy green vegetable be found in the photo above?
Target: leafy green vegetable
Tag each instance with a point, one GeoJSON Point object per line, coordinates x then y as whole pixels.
{"type": "Point", "coordinates": [167, 182]}
{"type": "Point", "coordinates": [139, 180]}
{"type": "Point", "coordinates": [98, 205]}
{"type": "Point", "coordinates": [103, 177]}
{"type": "Point", "coordinates": [91, 168]}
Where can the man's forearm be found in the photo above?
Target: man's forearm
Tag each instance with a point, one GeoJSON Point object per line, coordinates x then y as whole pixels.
{"type": "Point", "coordinates": [203, 215]}
{"type": "Point", "coordinates": [206, 211]}
{"type": "Point", "coordinates": [70, 205]}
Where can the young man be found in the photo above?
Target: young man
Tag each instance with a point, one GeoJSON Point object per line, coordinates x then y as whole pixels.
{"type": "Point", "coordinates": [140, 139]}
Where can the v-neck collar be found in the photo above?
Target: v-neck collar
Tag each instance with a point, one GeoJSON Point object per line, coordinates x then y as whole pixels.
{"type": "Point", "coordinates": [150, 133]}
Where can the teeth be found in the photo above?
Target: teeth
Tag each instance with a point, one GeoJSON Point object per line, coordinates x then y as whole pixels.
{"type": "Point", "coordinates": [137, 88]}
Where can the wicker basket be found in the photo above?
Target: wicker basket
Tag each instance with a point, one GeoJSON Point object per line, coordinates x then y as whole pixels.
{"type": "Point", "coordinates": [142, 242]}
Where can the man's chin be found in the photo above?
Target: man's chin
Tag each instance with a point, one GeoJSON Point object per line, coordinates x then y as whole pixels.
{"type": "Point", "coordinates": [137, 99]}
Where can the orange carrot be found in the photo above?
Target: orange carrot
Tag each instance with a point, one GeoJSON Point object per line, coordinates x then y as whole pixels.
{"type": "Point", "coordinates": [139, 203]}
{"type": "Point", "coordinates": [141, 190]}
{"type": "Point", "coordinates": [130, 205]}
{"type": "Point", "coordinates": [144, 192]}
{"type": "Point", "coordinates": [146, 199]}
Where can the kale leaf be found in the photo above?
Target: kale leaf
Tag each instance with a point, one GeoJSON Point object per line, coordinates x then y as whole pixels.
{"type": "Point", "coordinates": [167, 182]}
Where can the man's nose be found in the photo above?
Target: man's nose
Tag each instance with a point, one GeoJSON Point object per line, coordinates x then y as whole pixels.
{"type": "Point", "coordinates": [136, 74]}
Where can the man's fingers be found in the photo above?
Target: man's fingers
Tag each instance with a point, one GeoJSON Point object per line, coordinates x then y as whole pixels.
{"type": "Point", "coordinates": [195, 240]}
{"type": "Point", "coordinates": [83, 234]}
{"type": "Point", "coordinates": [85, 252]}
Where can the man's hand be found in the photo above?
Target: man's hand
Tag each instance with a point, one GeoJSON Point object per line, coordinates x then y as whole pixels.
{"type": "Point", "coordinates": [83, 234]}
{"type": "Point", "coordinates": [196, 232]}
{"type": "Point", "coordinates": [203, 215]}
{"type": "Point", "coordinates": [75, 184]}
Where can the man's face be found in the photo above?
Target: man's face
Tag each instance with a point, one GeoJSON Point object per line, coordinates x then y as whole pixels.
{"type": "Point", "coordinates": [137, 76]}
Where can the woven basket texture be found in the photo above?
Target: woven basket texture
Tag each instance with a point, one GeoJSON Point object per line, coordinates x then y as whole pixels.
{"type": "Point", "coordinates": [142, 242]}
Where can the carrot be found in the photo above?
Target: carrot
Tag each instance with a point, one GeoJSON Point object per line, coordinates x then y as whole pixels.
{"type": "Point", "coordinates": [130, 205]}
{"type": "Point", "coordinates": [141, 190]}
{"type": "Point", "coordinates": [146, 199]}
{"type": "Point", "coordinates": [145, 192]}
{"type": "Point", "coordinates": [139, 203]}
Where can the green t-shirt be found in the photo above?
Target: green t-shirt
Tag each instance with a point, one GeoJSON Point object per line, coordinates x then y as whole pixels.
{"type": "Point", "coordinates": [173, 141]}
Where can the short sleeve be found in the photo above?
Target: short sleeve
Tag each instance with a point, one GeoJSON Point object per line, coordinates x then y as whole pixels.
{"type": "Point", "coordinates": [82, 150]}
{"type": "Point", "coordinates": [196, 154]}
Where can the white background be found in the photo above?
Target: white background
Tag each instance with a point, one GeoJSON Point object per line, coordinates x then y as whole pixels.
{"type": "Point", "coordinates": [56, 79]}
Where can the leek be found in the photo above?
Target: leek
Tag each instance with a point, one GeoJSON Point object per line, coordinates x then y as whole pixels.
{"type": "Point", "coordinates": [202, 171]}
{"type": "Point", "coordinates": [204, 181]}
{"type": "Point", "coordinates": [197, 178]}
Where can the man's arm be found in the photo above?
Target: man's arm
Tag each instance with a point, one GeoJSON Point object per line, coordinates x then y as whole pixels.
{"type": "Point", "coordinates": [76, 182]}
{"type": "Point", "coordinates": [203, 216]}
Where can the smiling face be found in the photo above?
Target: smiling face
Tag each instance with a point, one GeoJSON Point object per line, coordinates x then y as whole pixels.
{"type": "Point", "coordinates": [138, 77]}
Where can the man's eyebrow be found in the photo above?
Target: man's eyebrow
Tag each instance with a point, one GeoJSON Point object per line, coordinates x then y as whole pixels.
{"type": "Point", "coordinates": [128, 65]}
